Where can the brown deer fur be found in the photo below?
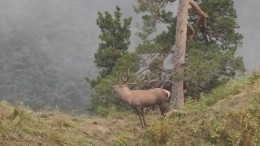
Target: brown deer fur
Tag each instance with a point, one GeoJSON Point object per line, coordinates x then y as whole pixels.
{"type": "Point", "coordinates": [139, 99]}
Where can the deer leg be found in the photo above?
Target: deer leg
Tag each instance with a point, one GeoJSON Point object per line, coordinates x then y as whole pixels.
{"type": "Point", "coordinates": [142, 110]}
{"type": "Point", "coordinates": [163, 110]}
{"type": "Point", "coordinates": [139, 112]}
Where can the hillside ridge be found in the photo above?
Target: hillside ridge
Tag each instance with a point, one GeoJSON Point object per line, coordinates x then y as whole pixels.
{"type": "Point", "coordinates": [228, 116]}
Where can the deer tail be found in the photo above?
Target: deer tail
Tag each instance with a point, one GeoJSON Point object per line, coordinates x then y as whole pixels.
{"type": "Point", "coordinates": [168, 94]}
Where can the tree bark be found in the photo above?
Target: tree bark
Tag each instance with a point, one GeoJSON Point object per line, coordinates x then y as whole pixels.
{"type": "Point", "coordinates": [179, 54]}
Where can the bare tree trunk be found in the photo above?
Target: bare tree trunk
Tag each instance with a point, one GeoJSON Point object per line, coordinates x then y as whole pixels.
{"type": "Point", "coordinates": [179, 54]}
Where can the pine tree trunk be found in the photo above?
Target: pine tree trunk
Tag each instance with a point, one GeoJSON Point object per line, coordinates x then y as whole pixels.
{"type": "Point", "coordinates": [179, 54]}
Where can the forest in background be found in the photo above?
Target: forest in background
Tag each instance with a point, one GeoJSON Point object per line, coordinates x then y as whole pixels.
{"type": "Point", "coordinates": [29, 77]}
{"type": "Point", "coordinates": [221, 102]}
{"type": "Point", "coordinates": [23, 27]}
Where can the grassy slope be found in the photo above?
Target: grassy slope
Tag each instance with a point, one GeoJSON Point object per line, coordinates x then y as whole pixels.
{"type": "Point", "coordinates": [20, 126]}
{"type": "Point", "coordinates": [230, 116]}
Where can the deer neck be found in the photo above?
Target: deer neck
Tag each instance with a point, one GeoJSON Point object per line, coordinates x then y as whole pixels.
{"type": "Point", "coordinates": [126, 94]}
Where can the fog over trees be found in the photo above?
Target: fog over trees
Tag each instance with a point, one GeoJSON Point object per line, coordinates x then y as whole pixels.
{"type": "Point", "coordinates": [59, 39]}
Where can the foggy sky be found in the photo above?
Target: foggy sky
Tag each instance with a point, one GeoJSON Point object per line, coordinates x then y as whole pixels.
{"type": "Point", "coordinates": [249, 21]}
{"type": "Point", "coordinates": [67, 29]}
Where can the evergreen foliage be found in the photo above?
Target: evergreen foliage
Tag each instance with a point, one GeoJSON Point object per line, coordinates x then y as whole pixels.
{"type": "Point", "coordinates": [115, 34]}
{"type": "Point", "coordinates": [112, 57]}
{"type": "Point", "coordinates": [210, 58]}
{"type": "Point", "coordinates": [102, 96]}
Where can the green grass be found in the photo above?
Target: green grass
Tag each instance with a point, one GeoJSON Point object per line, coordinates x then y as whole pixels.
{"type": "Point", "coordinates": [21, 126]}
{"type": "Point", "coordinates": [228, 116]}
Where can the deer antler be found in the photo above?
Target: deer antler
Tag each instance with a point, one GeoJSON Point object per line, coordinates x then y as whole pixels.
{"type": "Point", "coordinates": [118, 78]}
{"type": "Point", "coordinates": [123, 80]}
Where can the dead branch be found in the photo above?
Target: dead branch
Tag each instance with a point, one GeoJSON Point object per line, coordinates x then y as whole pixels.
{"type": "Point", "coordinates": [191, 31]}
{"type": "Point", "coordinates": [202, 15]}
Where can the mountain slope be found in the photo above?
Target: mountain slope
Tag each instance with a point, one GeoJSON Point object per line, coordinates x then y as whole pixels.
{"type": "Point", "coordinates": [229, 116]}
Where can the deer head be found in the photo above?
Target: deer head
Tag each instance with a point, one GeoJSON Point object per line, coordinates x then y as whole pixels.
{"type": "Point", "coordinates": [122, 82]}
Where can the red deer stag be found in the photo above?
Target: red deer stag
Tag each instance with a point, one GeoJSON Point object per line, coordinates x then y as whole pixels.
{"type": "Point", "coordinates": [139, 99]}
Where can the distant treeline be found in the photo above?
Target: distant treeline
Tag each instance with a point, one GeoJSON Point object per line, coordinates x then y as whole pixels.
{"type": "Point", "coordinates": [28, 76]}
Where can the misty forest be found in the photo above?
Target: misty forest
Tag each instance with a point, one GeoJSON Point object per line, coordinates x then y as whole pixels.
{"type": "Point", "coordinates": [94, 73]}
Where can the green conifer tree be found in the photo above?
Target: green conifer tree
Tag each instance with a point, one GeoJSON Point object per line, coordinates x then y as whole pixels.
{"type": "Point", "coordinates": [115, 34]}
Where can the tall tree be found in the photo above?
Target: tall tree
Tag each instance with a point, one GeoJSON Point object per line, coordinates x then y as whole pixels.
{"type": "Point", "coordinates": [111, 56]}
{"type": "Point", "coordinates": [179, 53]}
{"type": "Point", "coordinates": [115, 34]}
{"type": "Point", "coordinates": [209, 55]}
{"type": "Point", "coordinates": [209, 59]}
{"type": "Point", "coordinates": [180, 46]}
